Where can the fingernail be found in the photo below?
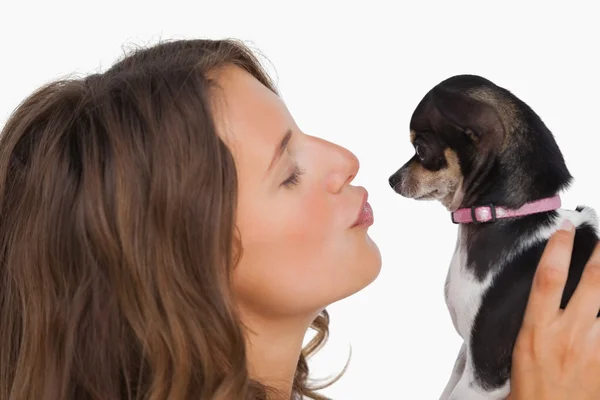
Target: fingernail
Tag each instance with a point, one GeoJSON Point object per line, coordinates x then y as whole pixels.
{"type": "Point", "coordinates": [566, 225]}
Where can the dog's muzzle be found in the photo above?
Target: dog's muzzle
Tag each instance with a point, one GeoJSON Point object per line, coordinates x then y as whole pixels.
{"type": "Point", "coordinates": [395, 181]}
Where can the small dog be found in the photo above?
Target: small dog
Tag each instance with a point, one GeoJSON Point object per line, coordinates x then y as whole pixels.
{"type": "Point", "coordinates": [492, 162]}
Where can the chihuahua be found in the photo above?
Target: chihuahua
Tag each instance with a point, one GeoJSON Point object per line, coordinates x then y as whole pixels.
{"type": "Point", "coordinates": [491, 161]}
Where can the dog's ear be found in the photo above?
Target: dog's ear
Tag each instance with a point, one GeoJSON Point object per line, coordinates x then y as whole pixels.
{"type": "Point", "coordinates": [478, 120]}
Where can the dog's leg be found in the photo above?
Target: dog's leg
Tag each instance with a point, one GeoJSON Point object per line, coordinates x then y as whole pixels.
{"type": "Point", "coordinates": [467, 387]}
{"type": "Point", "coordinates": [457, 372]}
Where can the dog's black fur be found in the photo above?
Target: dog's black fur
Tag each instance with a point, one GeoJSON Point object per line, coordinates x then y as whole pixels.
{"type": "Point", "coordinates": [507, 157]}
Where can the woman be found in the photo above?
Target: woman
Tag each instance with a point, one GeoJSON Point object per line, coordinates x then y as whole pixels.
{"type": "Point", "coordinates": [168, 232]}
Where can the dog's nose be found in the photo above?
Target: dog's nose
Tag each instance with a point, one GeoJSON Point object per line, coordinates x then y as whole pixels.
{"type": "Point", "coordinates": [395, 180]}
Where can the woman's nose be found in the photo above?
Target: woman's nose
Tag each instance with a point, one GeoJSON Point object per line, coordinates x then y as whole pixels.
{"type": "Point", "coordinates": [344, 167]}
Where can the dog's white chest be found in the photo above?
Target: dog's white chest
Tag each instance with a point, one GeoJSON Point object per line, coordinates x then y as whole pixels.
{"type": "Point", "coordinates": [463, 291]}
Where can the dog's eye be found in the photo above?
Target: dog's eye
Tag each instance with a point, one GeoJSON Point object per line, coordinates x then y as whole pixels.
{"type": "Point", "coordinates": [420, 152]}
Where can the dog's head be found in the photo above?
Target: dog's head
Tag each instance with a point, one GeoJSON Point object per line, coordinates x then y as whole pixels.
{"type": "Point", "coordinates": [476, 142]}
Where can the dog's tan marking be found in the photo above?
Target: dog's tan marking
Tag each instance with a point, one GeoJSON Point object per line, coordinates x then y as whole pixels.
{"type": "Point", "coordinates": [442, 184]}
{"type": "Point", "coordinates": [452, 172]}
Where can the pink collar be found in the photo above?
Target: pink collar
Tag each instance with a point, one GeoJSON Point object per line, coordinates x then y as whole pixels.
{"type": "Point", "coordinates": [490, 213]}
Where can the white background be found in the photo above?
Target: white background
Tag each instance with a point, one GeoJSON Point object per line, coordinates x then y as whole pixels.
{"type": "Point", "coordinates": [352, 75]}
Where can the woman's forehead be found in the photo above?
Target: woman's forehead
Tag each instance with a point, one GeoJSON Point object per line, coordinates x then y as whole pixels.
{"type": "Point", "coordinates": [249, 116]}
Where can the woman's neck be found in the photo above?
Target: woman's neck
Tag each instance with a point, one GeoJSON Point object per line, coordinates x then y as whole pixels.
{"type": "Point", "coordinates": [273, 347]}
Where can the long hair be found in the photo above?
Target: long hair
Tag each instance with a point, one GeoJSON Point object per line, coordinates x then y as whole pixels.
{"type": "Point", "coordinates": [118, 238]}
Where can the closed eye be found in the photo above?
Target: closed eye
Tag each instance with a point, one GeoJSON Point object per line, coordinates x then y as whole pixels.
{"type": "Point", "coordinates": [294, 178]}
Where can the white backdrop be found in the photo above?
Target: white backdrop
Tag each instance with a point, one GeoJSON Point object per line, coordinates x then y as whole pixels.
{"type": "Point", "coordinates": [352, 75]}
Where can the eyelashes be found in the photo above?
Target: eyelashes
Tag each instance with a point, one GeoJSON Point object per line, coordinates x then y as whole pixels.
{"type": "Point", "coordinates": [294, 178]}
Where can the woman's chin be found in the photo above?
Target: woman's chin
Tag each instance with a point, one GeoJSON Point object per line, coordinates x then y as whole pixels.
{"type": "Point", "coordinates": [362, 270]}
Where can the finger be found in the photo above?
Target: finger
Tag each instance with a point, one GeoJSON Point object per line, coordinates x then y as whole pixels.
{"type": "Point", "coordinates": [550, 277]}
{"type": "Point", "coordinates": [585, 302]}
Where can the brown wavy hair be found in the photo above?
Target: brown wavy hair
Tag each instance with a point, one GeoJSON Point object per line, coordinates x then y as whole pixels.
{"type": "Point", "coordinates": [118, 238]}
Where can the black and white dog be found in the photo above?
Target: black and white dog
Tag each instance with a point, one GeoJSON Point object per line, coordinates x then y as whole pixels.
{"type": "Point", "coordinates": [492, 162]}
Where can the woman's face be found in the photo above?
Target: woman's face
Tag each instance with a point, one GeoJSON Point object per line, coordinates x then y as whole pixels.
{"type": "Point", "coordinates": [296, 207]}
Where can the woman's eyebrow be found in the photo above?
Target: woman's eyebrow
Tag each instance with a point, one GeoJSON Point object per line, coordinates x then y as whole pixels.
{"type": "Point", "coordinates": [280, 148]}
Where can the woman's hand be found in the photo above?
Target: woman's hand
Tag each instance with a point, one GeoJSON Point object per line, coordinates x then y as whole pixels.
{"type": "Point", "coordinates": [557, 352]}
